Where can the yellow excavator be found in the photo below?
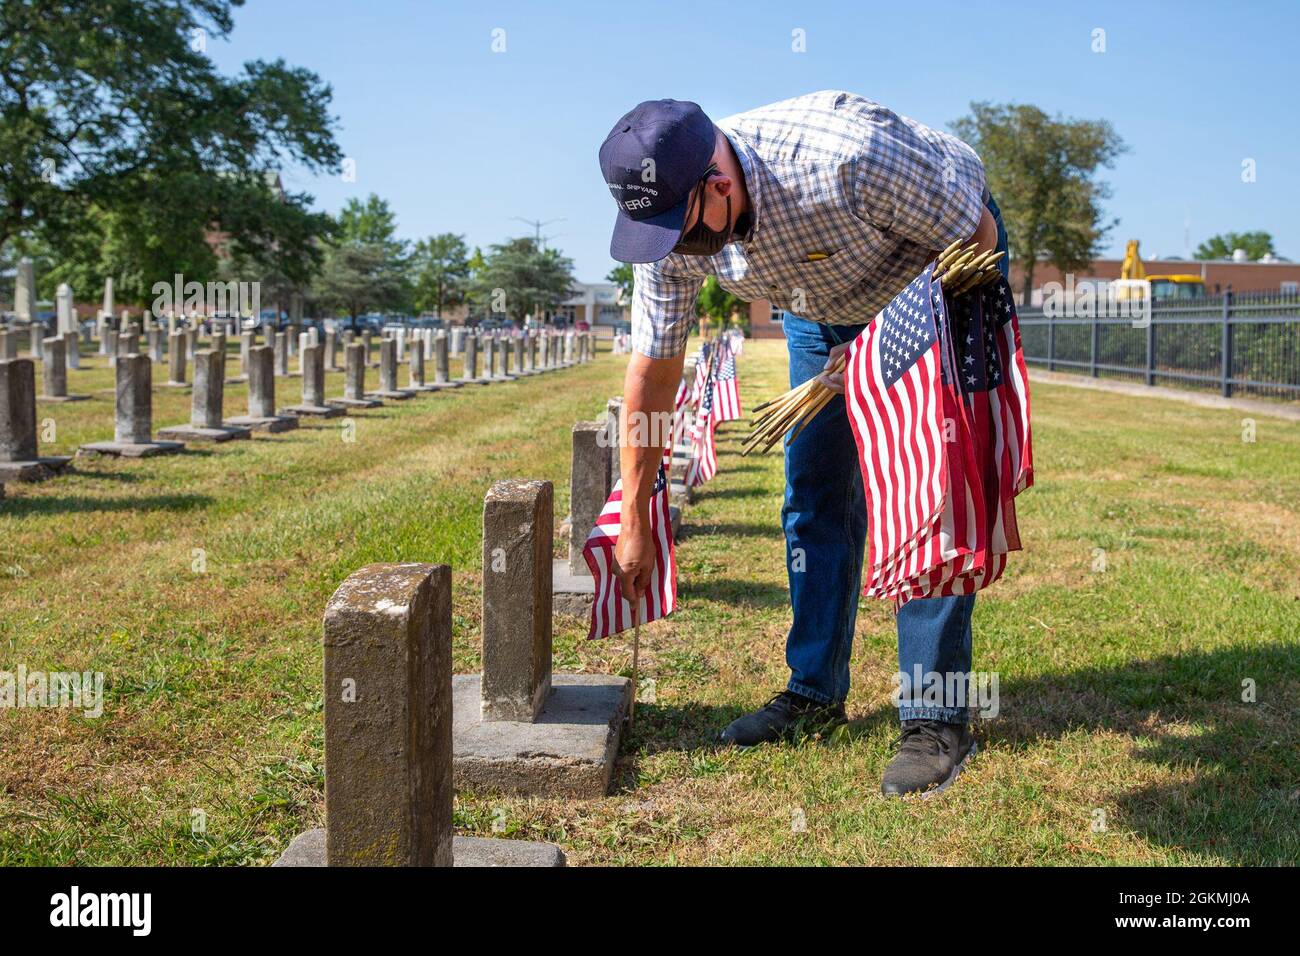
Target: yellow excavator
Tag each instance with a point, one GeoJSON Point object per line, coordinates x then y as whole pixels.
{"type": "Point", "coordinates": [1171, 286]}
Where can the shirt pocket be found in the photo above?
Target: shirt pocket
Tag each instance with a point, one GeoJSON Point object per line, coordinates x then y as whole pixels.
{"type": "Point", "coordinates": [814, 289]}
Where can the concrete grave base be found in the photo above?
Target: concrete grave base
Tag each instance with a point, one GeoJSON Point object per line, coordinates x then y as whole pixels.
{"type": "Point", "coordinates": [175, 385]}
{"type": "Point", "coordinates": [37, 469]}
{"type": "Point", "coordinates": [568, 752]}
{"type": "Point", "coordinates": [269, 423]}
{"type": "Point", "coordinates": [237, 380]}
{"type": "Point", "coordinates": [571, 593]}
{"type": "Point", "coordinates": [129, 449]}
{"type": "Point", "coordinates": [308, 849]}
{"type": "Point", "coordinates": [200, 434]}
{"type": "Point", "coordinates": [354, 403]}
{"type": "Point", "coordinates": [62, 398]}
{"type": "Point", "coordinates": [396, 396]}
{"type": "Point", "coordinates": [313, 411]}
{"type": "Point", "coordinates": [439, 386]}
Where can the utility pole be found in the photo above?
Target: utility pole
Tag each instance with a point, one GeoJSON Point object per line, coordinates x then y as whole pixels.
{"type": "Point", "coordinates": [537, 227]}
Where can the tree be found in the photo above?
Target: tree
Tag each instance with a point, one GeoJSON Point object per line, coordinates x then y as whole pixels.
{"type": "Point", "coordinates": [125, 152]}
{"type": "Point", "coordinates": [1257, 245]}
{"type": "Point", "coordinates": [621, 276]}
{"type": "Point", "coordinates": [371, 222]}
{"type": "Point", "coordinates": [714, 302]}
{"type": "Point", "coordinates": [440, 272]}
{"type": "Point", "coordinates": [517, 278]}
{"type": "Point", "coordinates": [359, 278]}
{"type": "Point", "coordinates": [1042, 172]}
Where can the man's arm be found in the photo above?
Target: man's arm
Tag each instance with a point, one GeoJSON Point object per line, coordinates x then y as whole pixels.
{"type": "Point", "coordinates": [649, 392]}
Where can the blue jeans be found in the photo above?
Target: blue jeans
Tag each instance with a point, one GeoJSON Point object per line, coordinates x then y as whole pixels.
{"type": "Point", "coordinates": [825, 521]}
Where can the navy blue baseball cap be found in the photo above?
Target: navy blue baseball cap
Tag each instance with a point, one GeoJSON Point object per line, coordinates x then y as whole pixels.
{"type": "Point", "coordinates": [652, 159]}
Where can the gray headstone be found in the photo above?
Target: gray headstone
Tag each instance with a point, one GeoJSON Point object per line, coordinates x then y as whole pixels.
{"type": "Point", "coordinates": [25, 290]}
{"type": "Point", "coordinates": [8, 345]}
{"type": "Point", "coordinates": [176, 358]}
{"type": "Point", "coordinates": [72, 349]}
{"type": "Point", "coordinates": [388, 716]}
{"type": "Point", "coordinates": [55, 384]}
{"type": "Point", "coordinates": [282, 353]}
{"type": "Point", "coordinates": [245, 343]}
{"type": "Point", "coordinates": [354, 375]}
{"type": "Point", "coordinates": [313, 375]}
{"type": "Point", "coordinates": [209, 389]}
{"type": "Point", "coordinates": [331, 350]}
{"type": "Point", "coordinates": [133, 411]}
{"type": "Point", "coordinates": [261, 382]}
{"type": "Point", "coordinates": [471, 358]}
{"type": "Point", "coordinates": [388, 365]}
{"type": "Point", "coordinates": [517, 533]}
{"type": "Point", "coordinates": [155, 345]}
{"type": "Point", "coordinates": [589, 487]}
{"type": "Point", "coordinates": [614, 410]}
{"type": "Point", "coordinates": [441, 361]}
{"type": "Point", "coordinates": [18, 410]}
{"type": "Point", "coordinates": [415, 371]}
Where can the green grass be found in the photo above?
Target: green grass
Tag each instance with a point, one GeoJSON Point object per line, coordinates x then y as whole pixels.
{"type": "Point", "coordinates": [1120, 690]}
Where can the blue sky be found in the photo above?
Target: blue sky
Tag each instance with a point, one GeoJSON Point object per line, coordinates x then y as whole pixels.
{"type": "Point", "coordinates": [459, 138]}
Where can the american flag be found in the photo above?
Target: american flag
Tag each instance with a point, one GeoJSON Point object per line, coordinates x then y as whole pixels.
{"type": "Point", "coordinates": [701, 376]}
{"type": "Point", "coordinates": [939, 404]}
{"type": "Point", "coordinates": [726, 388]}
{"type": "Point", "coordinates": [704, 456]}
{"type": "Point", "coordinates": [610, 612]}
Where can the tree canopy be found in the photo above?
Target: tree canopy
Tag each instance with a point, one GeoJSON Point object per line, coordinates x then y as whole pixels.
{"type": "Point", "coordinates": [1257, 245]}
{"type": "Point", "coordinates": [518, 277]}
{"type": "Point", "coordinates": [440, 272]}
{"type": "Point", "coordinates": [126, 153]}
{"type": "Point", "coordinates": [1042, 171]}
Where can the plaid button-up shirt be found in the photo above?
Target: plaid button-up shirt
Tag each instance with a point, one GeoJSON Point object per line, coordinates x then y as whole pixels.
{"type": "Point", "coordinates": [848, 200]}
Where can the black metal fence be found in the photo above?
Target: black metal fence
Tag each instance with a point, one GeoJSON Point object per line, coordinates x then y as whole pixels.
{"type": "Point", "coordinates": [1235, 343]}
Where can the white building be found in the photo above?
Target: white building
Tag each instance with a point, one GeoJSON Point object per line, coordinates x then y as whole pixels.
{"type": "Point", "coordinates": [597, 303]}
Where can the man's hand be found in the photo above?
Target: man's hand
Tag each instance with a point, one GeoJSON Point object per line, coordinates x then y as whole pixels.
{"type": "Point", "coordinates": [834, 380]}
{"type": "Point", "coordinates": [634, 556]}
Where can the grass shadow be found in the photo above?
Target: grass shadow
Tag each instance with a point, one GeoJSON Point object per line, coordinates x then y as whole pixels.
{"type": "Point", "coordinates": [735, 592]}
{"type": "Point", "coordinates": [59, 505]}
{"type": "Point", "coordinates": [1241, 797]}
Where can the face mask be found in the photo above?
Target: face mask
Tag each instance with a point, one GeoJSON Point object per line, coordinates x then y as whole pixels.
{"type": "Point", "coordinates": [700, 240]}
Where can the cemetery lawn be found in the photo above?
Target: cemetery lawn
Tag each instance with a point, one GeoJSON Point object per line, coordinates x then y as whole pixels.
{"type": "Point", "coordinates": [1159, 587]}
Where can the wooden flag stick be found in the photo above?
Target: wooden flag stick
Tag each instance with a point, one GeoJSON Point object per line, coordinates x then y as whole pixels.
{"type": "Point", "coordinates": [636, 653]}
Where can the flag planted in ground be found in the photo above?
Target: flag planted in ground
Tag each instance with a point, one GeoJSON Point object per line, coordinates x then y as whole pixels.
{"type": "Point", "coordinates": [610, 611]}
{"type": "Point", "coordinates": [726, 387]}
{"type": "Point", "coordinates": [704, 455]}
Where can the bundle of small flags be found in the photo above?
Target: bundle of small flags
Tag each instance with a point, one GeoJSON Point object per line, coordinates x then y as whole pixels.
{"type": "Point", "coordinates": [938, 399]}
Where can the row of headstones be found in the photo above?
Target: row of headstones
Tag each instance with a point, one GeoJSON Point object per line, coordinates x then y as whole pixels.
{"type": "Point", "coordinates": [402, 733]}
{"type": "Point", "coordinates": [133, 409]}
